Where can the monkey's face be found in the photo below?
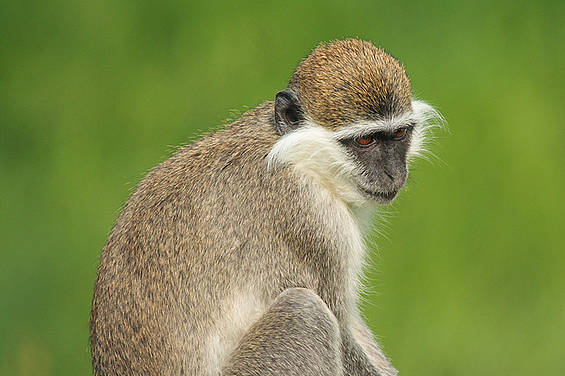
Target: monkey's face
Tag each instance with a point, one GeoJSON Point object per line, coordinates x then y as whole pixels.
{"type": "Point", "coordinates": [380, 150]}
{"type": "Point", "coordinates": [363, 162]}
{"type": "Point", "coordinates": [381, 159]}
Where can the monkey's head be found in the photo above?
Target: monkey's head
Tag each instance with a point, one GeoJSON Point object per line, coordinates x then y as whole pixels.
{"type": "Point", "coordinates": [349, 119]}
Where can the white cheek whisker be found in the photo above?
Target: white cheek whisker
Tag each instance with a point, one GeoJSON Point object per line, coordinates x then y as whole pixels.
{"type": "Point", "coordinates": [313, 151]}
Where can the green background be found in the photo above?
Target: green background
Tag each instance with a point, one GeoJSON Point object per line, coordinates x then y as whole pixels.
{"type": "Point", "coordinates": [469, 276]}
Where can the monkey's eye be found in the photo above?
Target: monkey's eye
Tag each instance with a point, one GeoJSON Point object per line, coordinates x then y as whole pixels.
{"type": "Point", "coordinates": [400, 133]}
{"type": "Point", "coordinates": [365, 140]}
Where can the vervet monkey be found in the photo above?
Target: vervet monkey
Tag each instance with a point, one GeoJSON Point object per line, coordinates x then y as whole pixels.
{"type": "Point", "coordinates": [242, 253]}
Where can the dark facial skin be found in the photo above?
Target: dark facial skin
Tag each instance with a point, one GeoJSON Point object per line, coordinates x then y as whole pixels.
{"type": "Point", "coordinates": [383, 157]}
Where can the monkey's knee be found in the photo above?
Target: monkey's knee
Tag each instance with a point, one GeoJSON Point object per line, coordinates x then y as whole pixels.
{"type": "Point", "coordinates": [304, 312]}
{"type": "Point", "coordinates": [301, 296]}
{"type": "Point", "coordinates": [297, 335]}
{"type": "Point", "coordinates": [307, 310]}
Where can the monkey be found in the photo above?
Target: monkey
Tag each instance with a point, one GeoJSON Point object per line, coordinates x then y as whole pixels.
{"type": "Point", "coordinates": [242, 254]}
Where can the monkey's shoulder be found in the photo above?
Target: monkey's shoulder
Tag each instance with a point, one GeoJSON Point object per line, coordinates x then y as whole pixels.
{"type": "Point", "coordinates": [248, 138]}
{"type": "Point", "coordinates": [229, 159]}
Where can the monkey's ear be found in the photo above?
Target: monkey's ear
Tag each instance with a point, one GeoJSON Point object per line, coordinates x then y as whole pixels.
{"type": "Point", "coordinates": [288, 112]}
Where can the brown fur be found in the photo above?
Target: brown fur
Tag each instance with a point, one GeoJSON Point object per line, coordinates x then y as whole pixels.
{"type": "Point", "coordinates": [211, 222]}
{"type": "Point", "coordinates": [179, 249]}
{"type": "Point", "coordinates": [351, 80]}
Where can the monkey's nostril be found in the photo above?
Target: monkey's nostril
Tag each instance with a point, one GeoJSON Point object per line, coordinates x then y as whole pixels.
{"type": "Point", "coordinates": [389, 174]}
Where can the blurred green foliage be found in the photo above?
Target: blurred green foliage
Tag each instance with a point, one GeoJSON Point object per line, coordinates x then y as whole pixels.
{"type": "Point", "coordinates": [469, 277]}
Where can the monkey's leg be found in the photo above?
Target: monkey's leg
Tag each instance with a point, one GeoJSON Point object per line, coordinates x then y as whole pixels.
{"type": "Point", "coordinates": [298, 335]}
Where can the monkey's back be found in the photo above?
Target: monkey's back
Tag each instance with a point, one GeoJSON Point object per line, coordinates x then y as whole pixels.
{"type": "Point", "coordinates": [194, 216]}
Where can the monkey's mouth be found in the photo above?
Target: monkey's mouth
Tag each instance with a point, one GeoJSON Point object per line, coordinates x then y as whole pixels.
{"type": "Point", "coordinates": [383, 197]}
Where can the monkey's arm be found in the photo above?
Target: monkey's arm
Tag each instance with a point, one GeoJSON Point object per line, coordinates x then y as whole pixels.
{"type": "Point", "coordinates": [298, 335]}
{"type": "Point", "coordinates": [363, 336]}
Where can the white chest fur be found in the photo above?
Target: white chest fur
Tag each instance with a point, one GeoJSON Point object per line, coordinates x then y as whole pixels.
{"type": "Point", "coordinates": [238, 312]}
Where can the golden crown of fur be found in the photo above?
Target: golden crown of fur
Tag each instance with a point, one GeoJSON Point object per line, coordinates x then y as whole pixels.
{"type": "Point", "coordinates": [351, 80]}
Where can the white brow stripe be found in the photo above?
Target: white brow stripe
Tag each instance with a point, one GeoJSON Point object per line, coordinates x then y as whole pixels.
{"type": "Point", "coordinates": [421, 115]}
{"type": "Point", "coordinates": [363, 129]}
